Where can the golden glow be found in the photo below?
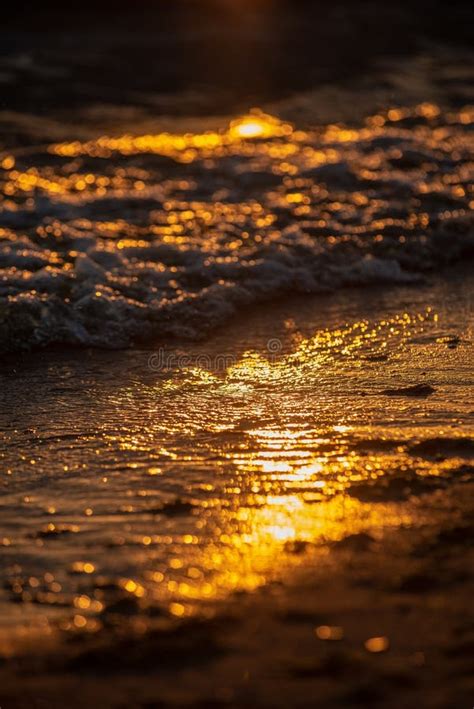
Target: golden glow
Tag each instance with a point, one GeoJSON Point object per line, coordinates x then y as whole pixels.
{"type": "Point", "coordinates": [215, 482]}
{"type": "Point", "coordinates": [184, 147]}
{"type": "Point", "coordinates": [258, 125]}
{"type": "Point", "coordinates": [281, 493]}
{"type": "Point", "coordinates": [83, 567]}
{"type": "Point", "coordinates": [378, 644]}
{"type": "Point", "coordinates": [249, 129]}
{"type": "Point", "coordinates": [327, 632]}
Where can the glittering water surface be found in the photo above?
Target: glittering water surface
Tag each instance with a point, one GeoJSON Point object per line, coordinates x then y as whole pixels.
{"type": "Point", "coordinates": [121, 239]}
{"type": "Point", "coordinates": [151, 484]}
{"type": "Point", "coordinates": [140, 486]}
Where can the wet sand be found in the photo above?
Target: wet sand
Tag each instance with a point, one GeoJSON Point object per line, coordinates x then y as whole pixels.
{"type": "Point", "coordinates": [402, 604]}
{"type": "Point", "coordinates": [307, 500]}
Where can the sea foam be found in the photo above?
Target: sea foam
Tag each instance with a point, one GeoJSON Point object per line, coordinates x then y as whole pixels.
{"type": "Point", "coordinates": [130, 238]}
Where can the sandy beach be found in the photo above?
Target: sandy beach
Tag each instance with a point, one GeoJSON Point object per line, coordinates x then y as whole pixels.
{"type": "Point", "coordinates": [236, 347]}
{"type": "Point", "coordinates": [319, 498]}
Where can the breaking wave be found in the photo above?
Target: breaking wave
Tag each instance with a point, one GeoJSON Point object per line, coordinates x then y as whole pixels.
{"type": "Point", "coordinates": [124, 239]}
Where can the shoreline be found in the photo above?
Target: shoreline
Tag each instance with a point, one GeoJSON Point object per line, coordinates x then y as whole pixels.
{"type": "Point", "coordinates": [384, 557]}
{"type": "Point", "coordinates": [256, 311]}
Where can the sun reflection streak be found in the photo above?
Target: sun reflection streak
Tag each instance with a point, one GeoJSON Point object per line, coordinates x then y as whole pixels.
{"type": "Point", "coordinates": [179, 490]}
{"type": "Point", "coordinates": [289, 483]}
{"type": "Point", "coordinates": [184, 147]}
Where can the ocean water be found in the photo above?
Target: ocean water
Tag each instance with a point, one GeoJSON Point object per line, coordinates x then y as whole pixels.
{"type": "Point", "coordinates": [119, 240]}
{"type": "Point", "coordinates": [226, 344]}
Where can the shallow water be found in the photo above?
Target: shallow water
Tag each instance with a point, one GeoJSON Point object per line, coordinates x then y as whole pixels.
{"type": "Point", "coordinates": [146, 485]}
{"type": "Point", "coordinates": [118, 240]}
{"type": "Point", "coordinates": [152, 484]}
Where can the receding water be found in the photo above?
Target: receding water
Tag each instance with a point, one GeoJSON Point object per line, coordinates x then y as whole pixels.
{"type": "Point", "coordinates": [144, 485]}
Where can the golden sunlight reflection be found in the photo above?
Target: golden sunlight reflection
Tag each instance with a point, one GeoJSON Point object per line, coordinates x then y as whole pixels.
{"type": "Point", "coordinates": [184, 147]}
{"type": "Point", "coordinates": [172, 488]}
{"type": "Point", "coordinates": [288, 489]}
{"type": "Point", "coordinates": [259, 125]}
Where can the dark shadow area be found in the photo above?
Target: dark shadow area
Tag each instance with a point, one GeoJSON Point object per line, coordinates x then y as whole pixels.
{"type": "Point", "coordinates": [229, 53]}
